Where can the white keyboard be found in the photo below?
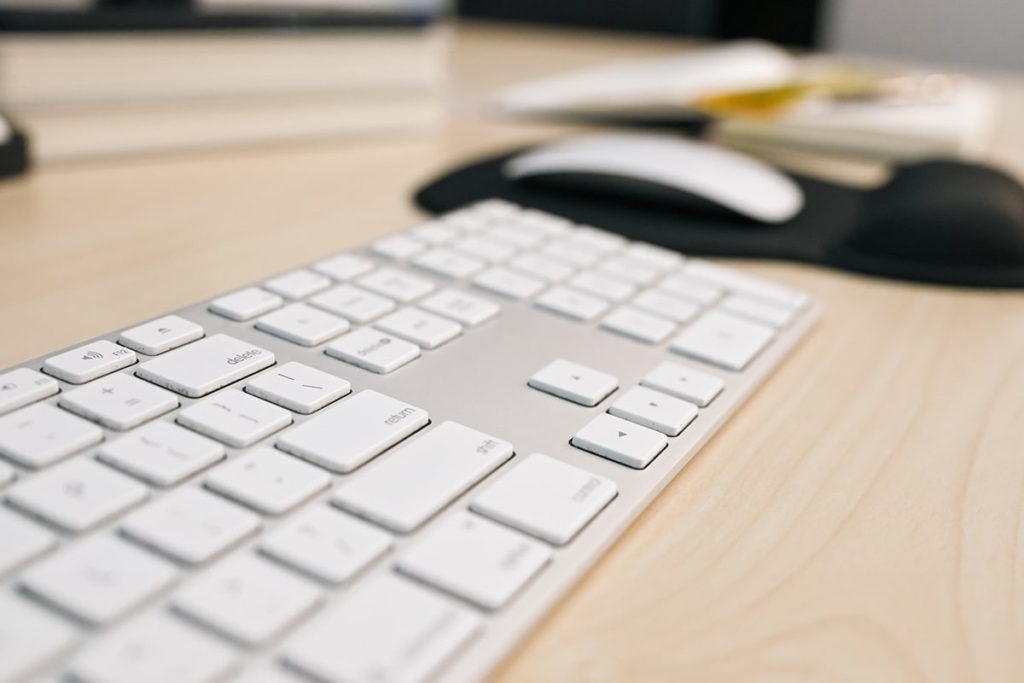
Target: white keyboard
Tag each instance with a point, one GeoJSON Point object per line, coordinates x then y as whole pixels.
{"type": "Point", "coordinates": [385, 467]}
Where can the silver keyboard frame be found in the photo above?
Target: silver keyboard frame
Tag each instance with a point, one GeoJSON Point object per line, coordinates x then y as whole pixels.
{"type": "Point", "coordinates": [479, 379]}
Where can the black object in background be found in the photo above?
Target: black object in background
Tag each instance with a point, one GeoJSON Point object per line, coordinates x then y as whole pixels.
{"type": "Point", "coordinates": [181, 15]}
{"type": "Point", "coordinates": [789, 22]}
{"type": "Point", "coordinates": [948, 223]}
{"type": "Point", "coordinates": [13, 151]}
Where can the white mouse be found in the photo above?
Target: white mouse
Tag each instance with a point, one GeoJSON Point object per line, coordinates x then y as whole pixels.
{"type": "Point", "coordinates": [644, 167]}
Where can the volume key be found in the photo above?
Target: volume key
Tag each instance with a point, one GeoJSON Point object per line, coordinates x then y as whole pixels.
{"type": "Point", "coordinates": [206, 365]}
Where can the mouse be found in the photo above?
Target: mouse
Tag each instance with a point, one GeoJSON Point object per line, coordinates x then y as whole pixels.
{"type": "Point", "coordinates": [945, 213]}
{"type": "Point", "coordinates": [687, 175]}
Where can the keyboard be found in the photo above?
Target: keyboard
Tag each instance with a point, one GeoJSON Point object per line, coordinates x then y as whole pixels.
{"type": "Point", "coordinates": [384, 467]}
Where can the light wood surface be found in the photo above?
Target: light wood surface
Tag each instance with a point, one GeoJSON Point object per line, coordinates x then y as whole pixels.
{"type": "Point", "coordinates": [861, 519]}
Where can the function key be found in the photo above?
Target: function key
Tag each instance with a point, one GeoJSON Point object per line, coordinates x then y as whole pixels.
{"type": "Point", "coordinates": [397, 247]}
{"type": "Point", "coordinates": [246, 304]}
{"type": "Point", "coordinates": [571, 304]}
{"type": "Point", "coordinates": [344, 267]}
{"type": "Point", "coordinates": [396, 284]}
{"type": "Point", "coordinates": [353, 303]}
{"type": "Point", "coordinates": [23, 386]}
{"type": "Point", "coordinates": [87, 362]}
{"type": "Point", "coordinates": [508, 282]}
{"type": "Point", "coordinates": [161, 335]}
{"type": "Point", "coordinates": [297, 284]}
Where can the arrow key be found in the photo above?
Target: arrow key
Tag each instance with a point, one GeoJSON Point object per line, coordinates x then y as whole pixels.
{"type": "Point", "coordinates": [574, 382]}
{"type": "Point", "coordinates": [650, 408]}
{"type": "Point", "coordinates": [620, 440]}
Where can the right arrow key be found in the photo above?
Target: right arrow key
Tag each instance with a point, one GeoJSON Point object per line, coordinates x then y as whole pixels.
{"type": "Point", "coordinates": [620, 440]}
{"type": "Point", "coordinates": [667, 414]}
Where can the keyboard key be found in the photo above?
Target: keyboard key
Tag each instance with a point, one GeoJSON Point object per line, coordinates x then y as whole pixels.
{"type": "Point", "coordinates": [746, 284]}
{"type": "Point", "coordinates": [546, 498]}
{"type": "Point", "coordinates": [388, 629]}
{"type": "Point", "coordinates": [520, 239]}
{"type": "Point", "coordinates": [30, 638]}
{"type": "Point", "coordinates": [302, 324]}
{"type": "Point", "coordinates": [23, 541]}
{"type": "Point", "coordinates": [77, 495]}
{"type": "Point", "coordinates": [349, 434]}
{"type": "Point", "coordinates": [636, 324]}
{"type": "Point", "coordinates": [155, 648]}
{"type": "Point", "coordinates": [373, 350]}
{"type": "Point", "coordinates": [574, 382]}
{"type": "Point", "coordinates": [699, 292]}
{"type": "Point", "coordinates": [424, 329]}
{"type": "Point", "coordinates": [119, 401]}
{"type": "Point", "coordinates": [685, 383]}
{"type": "Point", "coordinates": [650, 408]}
{"type": "Point", "coordinates": [546, 269]}
{"type": "Point", "coordinates": [508, 282]}
{"type": "Point", "coordinates": [723, 340]}
{"type": "Point", "coordinates": [757, 310]}
{"type": "Point", "coordinates": [247, 599]}
{"type": "Point", "coordinates": [162, 453]}
{"type": "Point", "coordinates": [435, 233]}
{"type": "Point", "coordinates": [593, 239]}
{"type": "Point", "coordinates": [268, 480]}
{"type": "Point", "coordinates": [398, 247]}
{"type": "Point", "coordinates": [100, 579]}
{"type": "Point", "coordinates": [475, 559]}
{"type": "Point", "coordinates": [549, 224]}
{"type": "Point", "coordinates": [298, 387]}
{"type": "Point", "coordinates": [665, 305]}
{"type": "Point", "coordinates": [463, 308]}
{"type": "Point", "coordinates": [499, 208]}
{"type": "Point", "coordinates": [344, 267]}
{"type": "Point", "coordinates": [206, 365]}
{"type": "Point", "coordinates": [190, 525]}
{"type": "Point", "coordinates": [634, 270]}
{"type": "Point", "coordinates": [326, 544]}
{"type": "Point", "coordinates": [486, 248]}
{"type": "Point", "coordinates": [620, 440]}
{"type": "Point", "coordinates": [352, 303]}
{"type": "Point", "coordinates": [235, 418]}
{"type": "Point", "coordinates": [161, 335]}
{"type": "Point", "coordinates": [246, 304]}
{"type": "Point", "coordinates": [658, 258]}
{"type": "Point", "coordinates": [297, 284]}
{"type": "Point", "coordinates": [22, 386]}
{"type": "Point", "coordinates": [418, 480]}
{"type": "Point", "coordinates": [42, 434]}
{"type": "Point", "coordinates": [395, 284]}
{"type": "Point", "coordinates": [468, 220]}
{"type": "Point", "coordinates": [571, 304]}
{"type": "Point", "coordinates": [449, 263]}
{"type": "Point", "coordinates": [568, 252]}
{"type": "Point", "coordinates": [88, 362]}
{"type": "Point", "coordinates": [604, 286]}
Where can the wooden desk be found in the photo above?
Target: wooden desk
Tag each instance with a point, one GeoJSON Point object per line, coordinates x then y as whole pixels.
{"type": "Point", "coordinates": [861, 519]}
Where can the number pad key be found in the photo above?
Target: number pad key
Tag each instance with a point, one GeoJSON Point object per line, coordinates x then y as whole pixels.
{"type": "Point", "coordinates": [235, 418]}
{"type": "Point", "coordinates": [723, 340]}
{"type": "Point", "coordinates": [119, 401]}
{"type": "Point", "coordinates": [77, 495]}
{"type": "Point", "coordinates": [268, 480]}
{"type": "Point", "coordinates": [41, 434]}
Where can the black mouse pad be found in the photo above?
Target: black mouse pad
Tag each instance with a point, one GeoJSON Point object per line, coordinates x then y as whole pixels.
{"type": "Point", "coordinates": [824, 233]}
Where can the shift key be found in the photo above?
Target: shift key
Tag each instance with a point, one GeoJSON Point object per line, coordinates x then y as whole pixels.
{"type": "Point", "coordinates": [206, 365]}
